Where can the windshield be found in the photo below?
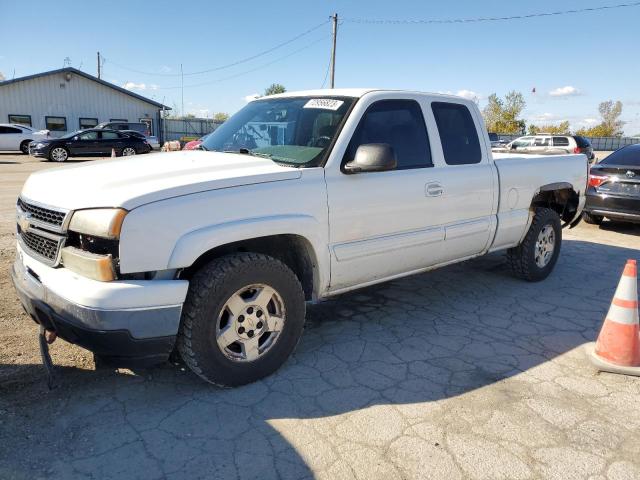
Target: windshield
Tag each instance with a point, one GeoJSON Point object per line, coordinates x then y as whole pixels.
{"type": "Point", "coordinates": [294, 130]}
{"type": "Point", "coordinates": [522, 142]}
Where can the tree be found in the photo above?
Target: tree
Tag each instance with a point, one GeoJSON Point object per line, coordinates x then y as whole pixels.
{"type": "Point", "coordinates": [274, 89]}
{"type": "Point", "coordinates": [503, 115]}
{"type": "Point", "coordinates": [611, 125]}
{"type": "Point", "coordinates": [562, 128]}
{"type": "Point", "coordinates": [220, 117]}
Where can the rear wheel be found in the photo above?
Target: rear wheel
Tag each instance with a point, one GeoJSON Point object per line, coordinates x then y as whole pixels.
{"type": "Point", "coordinates": [58, 154]}
{"type": "Point", "coordinates": [592, 219]}
{"type": "Point", "coordinates": [535, 257]}
{"type": "Point", "coordinates": [242, 318]}
{"type": "Point", "coordinates": [24, 146]}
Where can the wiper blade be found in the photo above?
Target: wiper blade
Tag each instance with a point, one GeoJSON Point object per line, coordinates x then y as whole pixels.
{"type": "Point", "coordinates": [246, 151]}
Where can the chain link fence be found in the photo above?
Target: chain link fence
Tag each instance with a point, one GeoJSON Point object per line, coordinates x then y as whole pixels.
{"type": "Point", "coordinates": [186, 129]}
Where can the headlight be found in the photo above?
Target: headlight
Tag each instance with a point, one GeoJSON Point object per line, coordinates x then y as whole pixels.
{"type": "Point", "coordinates": [99, 222]}
{"type": "Point", "coordinates": [39, 145]}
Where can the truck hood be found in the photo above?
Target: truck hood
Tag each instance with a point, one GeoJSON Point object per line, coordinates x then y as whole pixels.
{"type": "Point", "coordinates": [129, 182]}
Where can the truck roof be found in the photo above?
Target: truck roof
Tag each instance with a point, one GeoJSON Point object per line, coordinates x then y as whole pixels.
{"type": "Point", "coordinates": [354, 92]}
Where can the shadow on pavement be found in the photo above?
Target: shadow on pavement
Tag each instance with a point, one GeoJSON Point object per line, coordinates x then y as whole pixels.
{"type": "Point", "coordinates": [413, 341]}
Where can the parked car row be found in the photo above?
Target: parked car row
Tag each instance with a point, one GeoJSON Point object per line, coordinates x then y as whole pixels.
{"type": "Point", "coordinates": [94, 141]}
{"type": "Point", "coordinates": [545, 144]}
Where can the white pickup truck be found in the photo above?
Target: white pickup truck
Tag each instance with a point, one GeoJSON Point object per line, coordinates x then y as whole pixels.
{"type": "Point", "coordinates": [298, 197]}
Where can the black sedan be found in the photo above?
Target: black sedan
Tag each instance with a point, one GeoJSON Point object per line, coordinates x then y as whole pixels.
{"type": "Point", "coordinates": [86, 143]}
{"type": "Point", "coordinates": [614, 187]}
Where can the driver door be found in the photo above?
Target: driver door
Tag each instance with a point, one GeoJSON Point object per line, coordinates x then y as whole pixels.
{"type": "Point", "coordinates": [84, 143]}
{"type": "Point", "coordinates": [386, 223]}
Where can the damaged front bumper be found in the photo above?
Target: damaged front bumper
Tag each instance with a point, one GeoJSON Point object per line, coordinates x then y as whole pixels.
{"type": "Point", "coordinates": [133, 323]}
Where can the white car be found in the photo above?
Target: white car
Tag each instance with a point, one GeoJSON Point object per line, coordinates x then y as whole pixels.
{"type": "Point", "coordinates": [297, 197]}
{"type": "Point", "coordinates": [14, 136]}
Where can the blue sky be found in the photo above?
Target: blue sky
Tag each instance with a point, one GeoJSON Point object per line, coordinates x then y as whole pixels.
{"type": "Point", "coordinates": [573, 61]}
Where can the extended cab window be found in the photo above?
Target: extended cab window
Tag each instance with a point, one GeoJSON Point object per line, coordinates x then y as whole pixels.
{"type": "Point", "coordinates": [458, 135]}
{"type": "Point", "coordinates": [398, 123]}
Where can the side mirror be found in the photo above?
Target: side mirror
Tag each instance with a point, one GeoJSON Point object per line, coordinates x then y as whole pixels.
{"type": "Point", "coordinates": [513, 146]}
{"type": "Point", "coordinates": [372, 157]}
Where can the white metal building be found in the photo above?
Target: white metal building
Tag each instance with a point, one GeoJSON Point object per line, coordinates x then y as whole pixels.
{"type": "Point", "coordinates": [68, 99]}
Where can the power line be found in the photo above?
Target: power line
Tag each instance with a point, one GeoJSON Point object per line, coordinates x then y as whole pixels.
{"type": "Point", "coordinates": [487, 19]}
{"type": "Point", "coordinates": [228, 65]}
{"type": "Point", "coordinates": [218, 80]}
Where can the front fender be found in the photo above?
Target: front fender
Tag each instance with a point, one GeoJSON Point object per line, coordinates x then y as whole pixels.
{"type": "Point", "coordinates": [194, 244]}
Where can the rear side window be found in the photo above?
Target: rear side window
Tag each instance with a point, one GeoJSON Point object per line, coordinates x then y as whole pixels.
{"type": "Point", "coordinates": [109, 135]}
{"type": "Point", "coordinates": [582, 142]}
{"type": "Point", "coordinates": [560, 142]}
{"type": "Point", "coordinates": [10, 130]}
{"type": "Point", "coordinates": [627, 156]}
{"type": "Point", "coordinates": [458, 134]}
{"type": "Point", "coordinates": [398, 123]}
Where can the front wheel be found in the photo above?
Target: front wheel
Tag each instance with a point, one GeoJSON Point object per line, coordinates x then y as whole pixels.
{"type": "Point", "coordinates": [242, 318]}
{"type": "Point", "coordinates": [58, 154]}
{"type": "Point", "coordinates": [534, 259]}
{"type": "Point", "coordinates": [128, 151]}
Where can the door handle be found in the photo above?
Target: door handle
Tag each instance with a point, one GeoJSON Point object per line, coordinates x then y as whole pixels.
{"type": "Point", "coordinates": [433, 189]}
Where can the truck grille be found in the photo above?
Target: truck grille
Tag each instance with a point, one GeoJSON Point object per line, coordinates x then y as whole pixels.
{"type": "Point", "coordinates": [43, 215]}
{"type": "Point", "coordinates": [42, 246]}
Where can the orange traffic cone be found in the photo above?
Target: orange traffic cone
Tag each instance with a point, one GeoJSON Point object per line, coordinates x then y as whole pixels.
{"type": "Point", "coordinates": [113, 153]}
{"type": "Point", "coordinates": [617, 349]}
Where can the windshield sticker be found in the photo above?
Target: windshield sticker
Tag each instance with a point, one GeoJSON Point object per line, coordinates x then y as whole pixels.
{"type": "Point", "coordinates": [324, 103]}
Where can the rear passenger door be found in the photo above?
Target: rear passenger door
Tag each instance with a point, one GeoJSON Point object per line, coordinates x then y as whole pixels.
{"type": "Point", "coordinates": [110, 140]}
{"type": "Point", "coordinates": [467, 179]}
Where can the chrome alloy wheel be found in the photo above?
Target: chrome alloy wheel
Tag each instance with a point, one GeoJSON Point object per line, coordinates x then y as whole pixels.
{"type": "Point", "coordinates": [128, 151]}
{"type": "Point", "coordinates": [250, 323]}
{"type": "Point", "coordinates": [59, 154]}
{"type": "Point", "coordinates": [545, 245]}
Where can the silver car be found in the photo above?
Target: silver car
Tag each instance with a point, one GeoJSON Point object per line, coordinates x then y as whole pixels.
{"type": "Point", "coordinates": [552, 145]}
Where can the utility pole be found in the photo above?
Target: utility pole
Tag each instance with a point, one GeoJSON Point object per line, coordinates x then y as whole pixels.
{"type": "Point", "coordinates": [334, 18]}
{"type": "Point", "coordinates": [99, 65]}
{"type": "Point", "coordinates": [182, 77]}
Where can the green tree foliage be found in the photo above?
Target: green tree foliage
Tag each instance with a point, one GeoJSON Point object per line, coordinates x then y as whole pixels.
{"type": "Point", "coordinates": [503, 115]}
{"type": "Point", "coordinates": [562, 128]}
{"type": "Point", "coordinates": [611, 125]}
{"type": "Point", "coordinates": [220, 117]}
{"type": "Point", "coordinates": [274, 89]}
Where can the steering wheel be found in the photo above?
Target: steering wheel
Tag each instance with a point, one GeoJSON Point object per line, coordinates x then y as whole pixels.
{"type": "Point", "coordinates": [322, 142]}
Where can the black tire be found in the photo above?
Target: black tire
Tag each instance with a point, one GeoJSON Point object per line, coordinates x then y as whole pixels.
{"type": "Point", "coordinates": [592, 219]}
{"type": "Point", "coordinates": [522, 258]}
{"type": "Point", "coordinates": [209, 290]}
{"type": "Point", "coordinates": [24, 146]}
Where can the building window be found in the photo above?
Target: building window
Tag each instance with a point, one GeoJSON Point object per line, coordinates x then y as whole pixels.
{"type": "Point", "coordinates": [56, 124]}
{"type": "Point", "coordinates": [87, 123]}
{"type": "Point", "coordinates": [118, 120]}
{"type": "Point", "coordinates": [149, 123]}
{"type": "Point", "coordinates": [21, 119]}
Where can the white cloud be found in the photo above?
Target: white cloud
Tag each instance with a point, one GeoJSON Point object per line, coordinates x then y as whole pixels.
{"type": "Point", "coordinates": [567, 91]}
{"type": "Point", "coordinates": [134, 86]}
{"type": "Point", "coordinates": [251, 97]}
{"type": "Point", "coordinates": [2, 77]}
{"type": "Point", "coordinates": [468, 94]}
{"type": "Point", "coordinates": [165, 69]}
{"type": "Point", "coordinates": [544, 117]}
